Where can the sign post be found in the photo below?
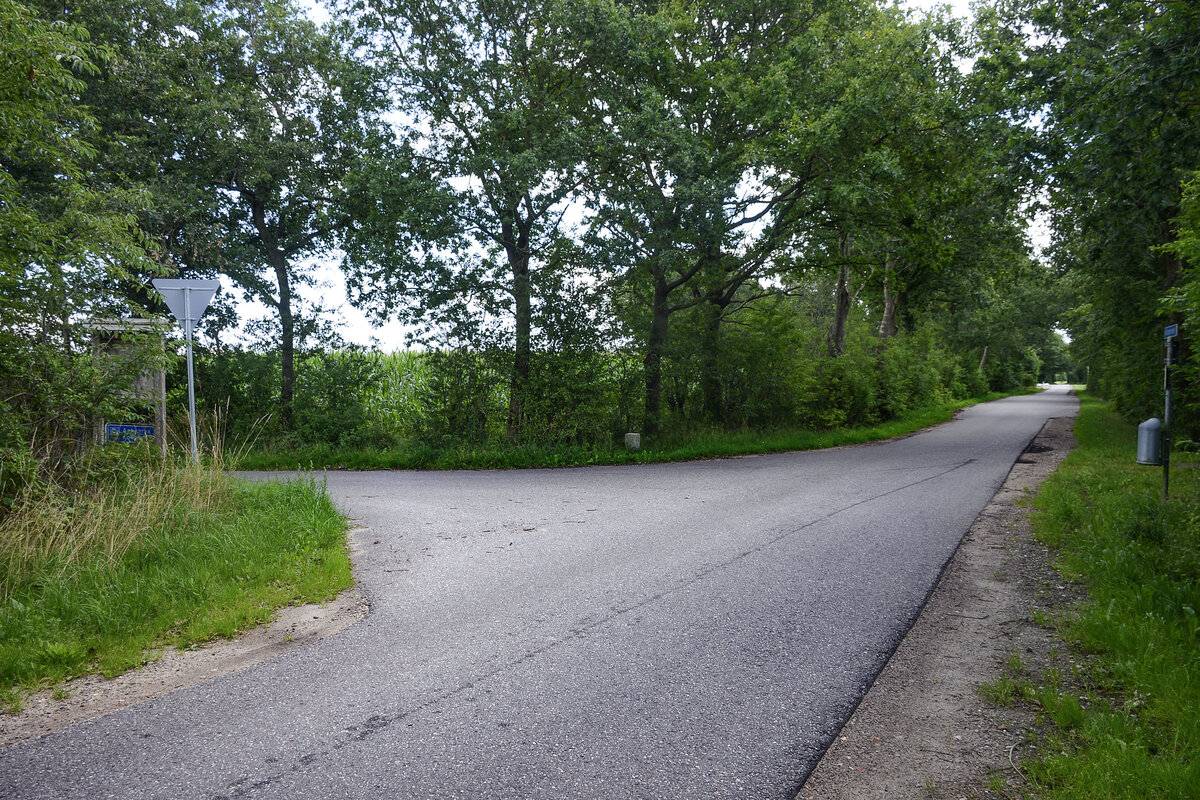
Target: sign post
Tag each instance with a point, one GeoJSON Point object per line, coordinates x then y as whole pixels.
{"type": "Point", "coordinates": [1170, 335]}
{"type": "Point", "coordinates": [188, 300]}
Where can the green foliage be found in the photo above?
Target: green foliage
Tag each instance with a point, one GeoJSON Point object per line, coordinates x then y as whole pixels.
{"type": "Point", "coordinates": [239, 121]}
{"type": "Point", "coordinates": [1184, 297]}
{"type": "Point", "coordinates": [1111, 91]}
{"type": "Point", "coordinates": [456, 414]}
{"type": "Point", "coordinates": [495, 102]}
{"type": "Point", "coordinates": [61, 223]}
{"type": "Point", "coordinates": [724, 160]}
{"type": "Point", "coordinates": [330, 391]}
{"type": "Point", "coordinates": [1139, 734]}
{"type": "Point", "coordinates": [339, 400]}
{"type": "Point", "coordinates": [393, 401]}
{"type": "Point", "coordinates": [679, 445]}
{"type": "Point", "coordinates": [66, 234]}
{"type": "Point", "coordinates": [766, 365]}
{"type": "Point", "coordinates": [582, 397]}
{"type": "Point", "coordinates": [237, 383]}
{"type": "Point", "coordinates": [465, 398]}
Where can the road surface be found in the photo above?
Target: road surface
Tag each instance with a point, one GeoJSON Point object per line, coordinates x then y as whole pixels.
{"type": "Point", "coordinates": [693, 631]}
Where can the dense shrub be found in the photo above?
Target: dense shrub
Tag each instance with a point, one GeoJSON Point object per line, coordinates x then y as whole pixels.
{"type": "Point", "coordinates": [335, 400]}
{"type": "Point", "coordinates": [582, 397]}
{"type": "Point", "coordinates": [465, 396]}
{"type": "Point", "coordinates": [773, 371]}
{"type": "Point", "coordinates": [331, 397]}
{"type": "Point", "coordinates": [239, 385]}
{"type": "Point", "coordinates": [55, 390]}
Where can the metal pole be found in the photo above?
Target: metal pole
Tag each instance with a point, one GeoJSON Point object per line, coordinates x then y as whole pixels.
{"type": "Point", "coordinates": [1166, 433]}
{"type": "Point", "coordinates": [187, 328]}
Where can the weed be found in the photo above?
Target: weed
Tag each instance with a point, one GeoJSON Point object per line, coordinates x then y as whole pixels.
{"type": "Point", "coordinates": [1002, 692]}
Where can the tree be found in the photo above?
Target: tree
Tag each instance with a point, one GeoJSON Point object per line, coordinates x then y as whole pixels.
{"type": "Point", "coordinates": [55, 213]}
{"type": "Point", "coordinates": [241, 119]}
{"type": "Point", "coordinates": [493, 97]}
{"type": "Point", "coordinates": [702, 181]}
{"type": "Point", "coordinates": [1184, 298]}
{"type": "Point", "coordinates": [66, 236]}
{"type": "Point", "coordinates": [1113, 90]}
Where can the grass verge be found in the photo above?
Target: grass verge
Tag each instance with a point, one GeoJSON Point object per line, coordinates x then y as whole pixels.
{"type": "Point", "coordinates": [687, 446]}
{"type": "Point", "coordinates": [1127, 724]}
{"type": "Point", "coordinates": [176, 555]}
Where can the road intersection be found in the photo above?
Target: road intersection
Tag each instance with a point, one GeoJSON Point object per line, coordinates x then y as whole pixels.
{"type": "Point", "coordinates": [698, 630]}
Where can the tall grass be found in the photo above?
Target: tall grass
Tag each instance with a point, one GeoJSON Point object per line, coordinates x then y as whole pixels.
{"type": "Point", "coordinates": [394, 402]}
{"type": "Point", "coordinates": [1137, 732]}
{"type": "Point", "coordinates": [53, 532]}
{"type": "Point", "coordinates": [159, 552]}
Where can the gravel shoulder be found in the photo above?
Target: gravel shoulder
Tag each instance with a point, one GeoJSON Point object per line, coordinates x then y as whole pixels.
{"type": "Point", "coordinates": [922, 729]}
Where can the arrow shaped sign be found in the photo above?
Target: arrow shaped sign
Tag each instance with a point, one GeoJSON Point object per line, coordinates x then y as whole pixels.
{"type": "Point", "coordinates": [187, 299]}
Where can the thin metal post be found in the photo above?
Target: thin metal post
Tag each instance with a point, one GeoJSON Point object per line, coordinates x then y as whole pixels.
{"type": "Point", "coordinates": [1167, 419]}
{"type": "Point", "coordinates": [202, 292]}
{"type": "Point", "coordinates": [187, 329]}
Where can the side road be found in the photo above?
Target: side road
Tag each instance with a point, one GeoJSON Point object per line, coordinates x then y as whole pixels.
{"type": "Point", "coordinates": [922, 729]}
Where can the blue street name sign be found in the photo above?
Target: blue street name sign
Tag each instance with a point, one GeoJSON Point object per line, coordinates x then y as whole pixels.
{"type": "Point", "coordinates": [1170, 332]}
{"type": "Point", "coordinates": [128, 433]}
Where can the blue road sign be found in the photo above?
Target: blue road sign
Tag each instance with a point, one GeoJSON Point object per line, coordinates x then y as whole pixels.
{"type": "Point", "coordinates": [1170, 332]}
{"type": "Point", "coordinates": [128, 433]}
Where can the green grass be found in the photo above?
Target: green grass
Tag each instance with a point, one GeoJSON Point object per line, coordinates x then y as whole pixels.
{"type": "Point", "coordinates": [687, 446]}
{"type": "Point", "coordinates": [1136, 733]}
{"type": "Point", "coordinates": [213, 562]}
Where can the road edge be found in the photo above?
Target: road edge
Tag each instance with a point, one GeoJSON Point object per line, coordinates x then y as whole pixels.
{"type": "Point", "coordinates": [921, 729]}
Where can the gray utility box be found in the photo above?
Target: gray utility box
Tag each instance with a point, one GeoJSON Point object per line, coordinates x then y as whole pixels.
{"type": "Point", "coordinates": [1150, 442]}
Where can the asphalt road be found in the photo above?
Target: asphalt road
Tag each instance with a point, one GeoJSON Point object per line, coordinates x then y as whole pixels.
{"type": "Point", "coordinates": [689, 631]}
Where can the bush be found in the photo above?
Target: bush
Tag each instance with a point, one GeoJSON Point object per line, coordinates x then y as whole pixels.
{"type": "Point", "coordinates": [241, 385]}
{"type": "Point", "coordinates": [332, 391]}
{"type": "Point", "coordinates": [465, 396]}
{"type": "Point", "coordinates": [54, 392]}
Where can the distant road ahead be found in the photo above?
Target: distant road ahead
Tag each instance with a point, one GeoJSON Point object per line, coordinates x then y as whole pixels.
{"type": "Point", "coordinates": [688, 631]}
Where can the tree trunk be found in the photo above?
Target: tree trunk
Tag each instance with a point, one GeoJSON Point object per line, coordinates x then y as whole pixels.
{"type": "Point", "coordinates": [983, 359]}
{"type": "Point", "coordinates": [518, 258]}
{"type": "Point", "coordinates": [656, 344]}
{"type": "Point", "coordinates": [887, 326]}
{"type": "Point", "coordinates": [278, 259]}
{"type": "Point", "coordinates": [710, 361]}
{"type": "Point", "coordinates": [841, 312]}
{"type": "Point", "coordinates": [287, 337]}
